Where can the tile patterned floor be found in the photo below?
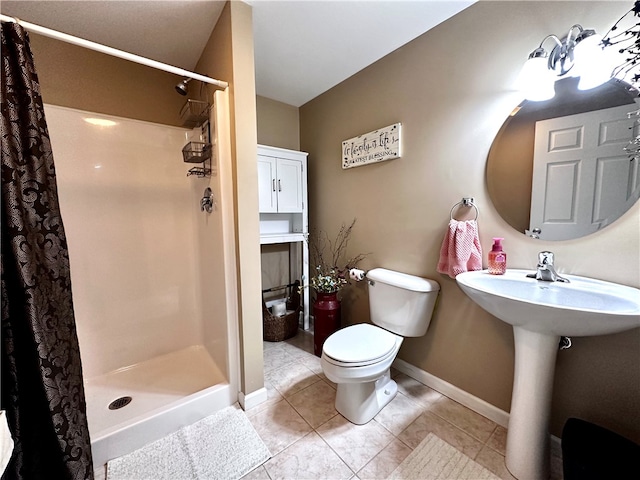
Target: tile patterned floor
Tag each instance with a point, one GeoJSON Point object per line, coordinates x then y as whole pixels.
{"type": "Point", "coordinates": [309, 439]}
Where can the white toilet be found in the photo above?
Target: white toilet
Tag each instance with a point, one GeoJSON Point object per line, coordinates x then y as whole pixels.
{"type": "Point", "coordinates": [358, 358]}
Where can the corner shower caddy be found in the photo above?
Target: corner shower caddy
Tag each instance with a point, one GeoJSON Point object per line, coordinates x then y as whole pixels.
{"type": "Point", "coordinates": [198, 152]}
{"type": "Point", "coordinates": [195, 114]}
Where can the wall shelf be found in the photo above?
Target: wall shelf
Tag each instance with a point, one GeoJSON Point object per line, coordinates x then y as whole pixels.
{"type": "Point", "coordinates": [282, 238]}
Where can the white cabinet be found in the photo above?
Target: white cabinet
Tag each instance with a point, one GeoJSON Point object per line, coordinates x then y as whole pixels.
{"type": "Point", "coordinates": [267, 197]}
{"type": "Point", "coordinates": [282, 194]}
{"type": "Point", "coordinates": [280, 184]}
{"type": "Point", "coordinates": [282, 191]}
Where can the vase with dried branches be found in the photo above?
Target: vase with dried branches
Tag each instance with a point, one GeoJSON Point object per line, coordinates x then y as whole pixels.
{"type": "Point", "coordinates": [329, 256]}
{"type": "Point", "coordinates": [624, 35]}
{"type": "Point", "coordinates": [331, 275]}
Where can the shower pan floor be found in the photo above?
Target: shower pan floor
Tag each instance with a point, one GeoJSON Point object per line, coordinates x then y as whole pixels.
{"type": "Point", "coordinates": [154, 385]}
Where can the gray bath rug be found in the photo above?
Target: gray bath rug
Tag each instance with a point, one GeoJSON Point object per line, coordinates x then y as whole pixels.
{"type": "Point", "coordinates": [435, 459]}
{"type": "Point", "coordinates": [223, 446]}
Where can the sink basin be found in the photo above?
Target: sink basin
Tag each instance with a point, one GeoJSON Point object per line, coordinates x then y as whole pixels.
{"type": "Point", "coordinates": [583, 307]}
{"type": "Point", "coordinates": [541, 312]}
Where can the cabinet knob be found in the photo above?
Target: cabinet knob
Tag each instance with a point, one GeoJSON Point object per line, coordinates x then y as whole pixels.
{"type": "Point", "coordinates": [273, 184]}
{"type": "Point", "coordinates": [279, 186]}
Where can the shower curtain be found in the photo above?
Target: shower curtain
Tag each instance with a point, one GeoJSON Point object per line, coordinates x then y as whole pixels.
{"type": "Point", "coordinates": [42, 390]}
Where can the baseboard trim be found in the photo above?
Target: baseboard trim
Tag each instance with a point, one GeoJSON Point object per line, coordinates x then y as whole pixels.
{"type": "Point", "coordinates": [253, 399]}
{"type": "Point", "coordinates": [455, 393]}
{"type": "Point", "coordinates": [465, 398]}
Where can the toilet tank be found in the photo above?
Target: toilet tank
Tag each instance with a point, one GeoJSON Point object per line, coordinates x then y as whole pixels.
{"type": "Point", "coordinates": [401, 303]}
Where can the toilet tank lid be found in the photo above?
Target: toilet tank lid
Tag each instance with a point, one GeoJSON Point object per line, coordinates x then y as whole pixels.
{"type": "Point", "coordinates": [403, 280]}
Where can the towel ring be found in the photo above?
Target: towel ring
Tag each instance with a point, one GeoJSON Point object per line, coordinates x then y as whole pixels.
{"type": "Point", "coordinates": [467, 202]}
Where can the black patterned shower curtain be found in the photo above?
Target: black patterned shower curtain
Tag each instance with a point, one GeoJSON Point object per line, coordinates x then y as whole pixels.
{"type": "Point", "coordinates": [42, 389]}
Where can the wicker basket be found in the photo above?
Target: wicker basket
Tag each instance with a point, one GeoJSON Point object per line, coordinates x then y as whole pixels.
{"type": "Point", "coordinates": [277, 329]}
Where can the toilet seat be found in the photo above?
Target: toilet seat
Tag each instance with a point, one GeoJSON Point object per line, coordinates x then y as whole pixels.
{"type": "Point", "coordinates": [359, 345]}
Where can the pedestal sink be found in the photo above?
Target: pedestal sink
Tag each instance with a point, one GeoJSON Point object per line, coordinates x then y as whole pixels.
{"type": "Point", "coordinates": [541, 312]}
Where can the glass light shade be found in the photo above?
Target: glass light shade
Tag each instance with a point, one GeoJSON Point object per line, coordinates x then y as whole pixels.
{"type": "Point", "coordinates": [536, 80]}
{"type": "Point", "coordinates": [592, 63]}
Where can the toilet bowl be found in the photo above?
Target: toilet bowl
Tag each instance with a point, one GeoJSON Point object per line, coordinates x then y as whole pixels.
{"type": "Point", "coordinates": [358, 358]}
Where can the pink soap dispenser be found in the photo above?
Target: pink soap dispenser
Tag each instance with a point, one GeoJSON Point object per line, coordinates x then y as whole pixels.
{"type": "Point", "coordinates": [497, 258]}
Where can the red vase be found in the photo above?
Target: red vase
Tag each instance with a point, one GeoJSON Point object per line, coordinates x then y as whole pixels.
{"type": "Point", "coordinates": [326, 313]}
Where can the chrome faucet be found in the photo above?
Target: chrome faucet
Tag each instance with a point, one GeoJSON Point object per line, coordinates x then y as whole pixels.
{"type": "Point", "coordinates": [545, 271]}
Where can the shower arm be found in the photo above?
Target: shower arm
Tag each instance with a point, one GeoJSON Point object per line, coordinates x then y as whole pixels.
{"type": "Point", "coordinates": [81, 42]}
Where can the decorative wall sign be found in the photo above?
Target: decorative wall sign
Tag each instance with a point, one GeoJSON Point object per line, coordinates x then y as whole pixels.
{"type": "Point", "coordinates": [377, 146]}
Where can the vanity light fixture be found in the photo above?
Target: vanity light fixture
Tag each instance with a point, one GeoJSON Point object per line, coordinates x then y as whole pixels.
{"type": "Point", "coordinates": [579, 54]}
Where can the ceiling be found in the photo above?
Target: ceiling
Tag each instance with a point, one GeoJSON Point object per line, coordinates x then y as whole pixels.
{"type": "Point", "coordinates": [302, 47]}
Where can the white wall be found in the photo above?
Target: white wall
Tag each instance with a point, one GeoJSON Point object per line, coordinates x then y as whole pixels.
{"type": "Point", "coordinates": [130, 214]}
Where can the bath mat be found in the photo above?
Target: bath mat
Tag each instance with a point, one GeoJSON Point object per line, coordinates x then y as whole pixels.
{"type": "Point", "coordinates": [222, 446]}
{"type": "Point", "coordinates": [436, 459]}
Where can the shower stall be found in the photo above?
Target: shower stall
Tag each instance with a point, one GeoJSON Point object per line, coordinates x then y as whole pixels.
{"type": "Point", "coordinates": [153, 274]}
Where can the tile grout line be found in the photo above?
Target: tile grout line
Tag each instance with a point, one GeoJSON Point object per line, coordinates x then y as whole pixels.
{"type": "Point", "coordinates": [423, 409]}
{"type": "Point", "coordinates": [395, 437]}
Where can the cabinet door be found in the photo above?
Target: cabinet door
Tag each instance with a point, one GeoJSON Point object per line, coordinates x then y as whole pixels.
{"type": "Point", "coordinates": [289, 186]}
{"type": "Point", "coordinates": [267, 194]}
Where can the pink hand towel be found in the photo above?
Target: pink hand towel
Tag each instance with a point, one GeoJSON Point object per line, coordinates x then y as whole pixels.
{"type": "Point", "coordinates": [461, 250]}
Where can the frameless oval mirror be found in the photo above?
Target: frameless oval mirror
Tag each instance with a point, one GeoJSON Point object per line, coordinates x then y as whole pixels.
{"type": "Point", "coordinates": [558, 169]}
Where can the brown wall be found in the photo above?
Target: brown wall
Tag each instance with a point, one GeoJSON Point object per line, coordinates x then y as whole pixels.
{"type": "Point", "coordinates": [75, 77]}
{"type": "Point", "coordinates": [452, 88]}
{"type": "Point", "coordinates": [229, 55]}
{"type": "Point", "coordinates": [278, 124]}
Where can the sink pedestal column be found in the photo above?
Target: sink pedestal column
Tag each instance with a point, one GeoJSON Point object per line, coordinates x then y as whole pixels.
{"type": "Point", "coordinates": [527, 455]}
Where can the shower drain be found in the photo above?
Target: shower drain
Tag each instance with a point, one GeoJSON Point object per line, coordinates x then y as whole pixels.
{"type": "Point", "coordinates": [119, 403]}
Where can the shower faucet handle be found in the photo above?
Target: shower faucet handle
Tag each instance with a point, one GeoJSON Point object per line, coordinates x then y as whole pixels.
{"type": "Point", "coordinates": [208, 201]}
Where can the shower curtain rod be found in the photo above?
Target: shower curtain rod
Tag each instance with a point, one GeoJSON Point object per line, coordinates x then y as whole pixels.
{"type": "Point", "coordinates": [81, 42]}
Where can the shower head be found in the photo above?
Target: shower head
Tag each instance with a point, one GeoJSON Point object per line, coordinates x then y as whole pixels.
{"type": "Point", "coordinates": [181, 87]}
